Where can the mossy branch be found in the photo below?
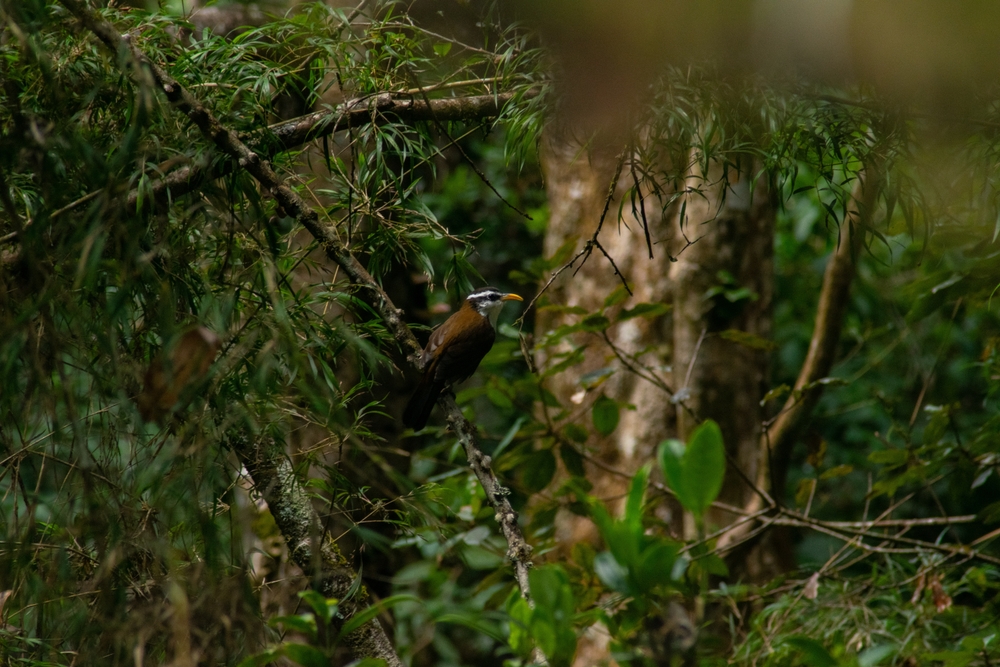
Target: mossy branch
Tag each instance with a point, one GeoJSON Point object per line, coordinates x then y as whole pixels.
{"type": "Point", "coordinates": [280, 137]}
{"type": "Point", "coordinates": [310, 546]}
{"type": "Point", "coordinates": [231, 145]}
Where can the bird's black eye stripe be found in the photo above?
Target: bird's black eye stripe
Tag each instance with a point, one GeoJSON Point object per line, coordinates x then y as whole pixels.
{"type": "Point", "coordinates": [492, 295]}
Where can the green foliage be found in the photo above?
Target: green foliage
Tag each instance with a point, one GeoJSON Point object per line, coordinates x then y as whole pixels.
{"type": "Point", "coordinates": [123, 531]}
{"type": "Point", "coordinates": [695, 471]}
{"type": "Point", "coordinates": [549, 626]}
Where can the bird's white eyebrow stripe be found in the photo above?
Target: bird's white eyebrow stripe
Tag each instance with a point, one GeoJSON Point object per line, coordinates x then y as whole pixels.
{"type": "Point", "coordinates": [483, 295]}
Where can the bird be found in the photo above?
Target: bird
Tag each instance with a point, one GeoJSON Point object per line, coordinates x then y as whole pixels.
{"type": "Point", "coordinates": [455, 349]}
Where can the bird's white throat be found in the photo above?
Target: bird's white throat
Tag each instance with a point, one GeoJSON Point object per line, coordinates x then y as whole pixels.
{"type": "Point", "coordinates": [491, 311]}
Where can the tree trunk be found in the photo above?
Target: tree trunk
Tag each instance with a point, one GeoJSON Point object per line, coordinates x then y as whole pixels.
{"type": "Point", "coordinates": [691, 353]}
{"type": "Point", "coordinates": [578, 182]}
{"type": "Point", "coordinates": [723, 287]}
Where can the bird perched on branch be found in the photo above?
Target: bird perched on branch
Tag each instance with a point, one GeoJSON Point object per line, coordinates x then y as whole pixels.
{"type": "Point", "coordinates": [455, 349]}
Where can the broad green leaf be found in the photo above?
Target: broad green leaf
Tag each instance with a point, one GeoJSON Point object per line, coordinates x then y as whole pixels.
{"type": "Point", "coordinates": [611, 573]}
{"type": "Point", "coordinates": [704, 467]}
{"type": "Point", "coordinates": [549, 586]}
{"type": "Point", "coordinates": [539, 469]}
{"type": "Point", "coordinates": [656, 565]}
{"type": "Point", "coordinates": [575, 433]}
{"type": "Point", "coordinates": [572, 460]}
{"type": "Point", "coordinates": [305, 655]}
{"type": "Point", "coordinates": [261, 659]}
{"type": "Point", "coordinates": [605, 415]}
{"type": "Point", "coordinates": [712, 564]}
{"type": "Point", "coordinates": [813, 652]}
{"type": "Point", "coordinates": [671, 457]}
{"type": "Point", "coordinates": [937, 426]}
{"type": "Point", "coordinates": [520, 623]}
{"type": "Point", "coordinates": [325, 609]}
{"type": "Point", "coordinates": [603, 520]}
{"type": "Point", "coordinates": [302, 623]}
{"type": "Point", "coordinates": [875, 654]}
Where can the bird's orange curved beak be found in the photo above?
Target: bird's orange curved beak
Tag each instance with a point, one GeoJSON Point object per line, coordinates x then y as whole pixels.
{"type": "Point", "coordinates": [511, 297]}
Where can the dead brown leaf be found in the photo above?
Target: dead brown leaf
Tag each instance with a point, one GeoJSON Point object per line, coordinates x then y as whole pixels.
{"type": "Point", "coordinates": [185, 364]}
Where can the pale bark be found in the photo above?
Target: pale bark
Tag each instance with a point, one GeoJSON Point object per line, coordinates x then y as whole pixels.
{"type": "Point", "coordinates": [577, 179]}
{"type": "Point", "coordinates": [730, 218]}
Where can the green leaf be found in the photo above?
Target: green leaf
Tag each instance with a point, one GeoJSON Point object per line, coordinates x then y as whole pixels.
{"type": "Point", "coordinates": [605, 415]}
{"type": "Point", "coordinates": [303, 623]}
{"type": "Point", "coordinates": [838, 471]}
{"type": "Point", "coordinates": [595, 379]}
{"type": "Point", "coordinates": [616, 297]}
{"type": "Point", "coordinates": [305, 655]}
{"type": "Point", "coordinates": [712, 564]}
{"type": "Point", "coordinates": [509, 437]}
{"type": "Point", "coordinates": [595, 322]}
{"type": "Point", "coordinates": [937, 426]}
{"type": "Point", "coordinates": [261, 659]}
{"type": "Point", "coordinates": [551, 588]}
{"type": "Point", "coordinates": [325, 609]}
{"type": "Point", "coordinates": [605, 524]}
{"type": "Point", "coordinates": [611, 573]}
{"type": "Point", "coordinates": [572, 460]}
{"type": "Point", "coordinates": [656, 565]}
{"type": "Point", "coordinates": [636, 492]}
{"type": "Point", "coordinates": [499, 399]}
{"type": "Point", "coordinates": [892, 457]}
{"type": "Point", "coordinates": [368, 613]}
{"type": "Point", "coordinates": [704, 466]}
{"type": "Point", "coordinates": [813, 652]}
{"type": "Point", "coordinates": [875, 654]}
{"type": "Point", "coordinates": [647, 310]}
{"type": "Point", "coordinates": [748, 340]}
{"type": "Point", "coordinates": [539, 468]}
{"type": "Point", "coordinates": [671, 457]}
{"type": "Point", "coordinates": [520, 623]}
{"type": "Point", "coordinates": [473, 621]}
{"type": "Point", "coordinates": [575, 433]}
{"type": "Point", "coordinates": [777, 392]}
{"type": "Point", "coordinates": [442, 48]}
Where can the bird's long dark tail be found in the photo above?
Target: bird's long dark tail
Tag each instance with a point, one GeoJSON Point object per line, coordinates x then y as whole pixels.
{"type": "Point", "coordinates": [418, 410]}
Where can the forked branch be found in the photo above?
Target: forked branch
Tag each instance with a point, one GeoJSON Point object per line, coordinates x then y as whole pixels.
{"type": "Point", "coordinates": [779, 436]}
{"type": "Point", "coordinates": [231, 145]}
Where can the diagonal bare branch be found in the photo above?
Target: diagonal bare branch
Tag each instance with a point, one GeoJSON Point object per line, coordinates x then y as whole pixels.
{"type": "Point", "coordinates": [231, 145]}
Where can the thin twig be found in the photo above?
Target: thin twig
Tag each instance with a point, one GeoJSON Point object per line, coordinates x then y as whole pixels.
{"type": "Point", "coordinates": [642, 205]}
{"type": "Point", "coordinates": [465, 156]}
{"type": "Point", "coordinates": [229, 143]}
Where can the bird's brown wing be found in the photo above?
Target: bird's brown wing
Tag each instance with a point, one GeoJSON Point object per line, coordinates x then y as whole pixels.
{"type": "Point", "coordinates": [462, 348]}
{"type": "Point", "coordinates": [438, 337]}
